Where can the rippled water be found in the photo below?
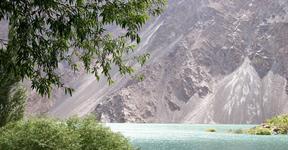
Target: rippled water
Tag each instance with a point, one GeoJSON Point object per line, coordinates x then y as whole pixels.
{"type": "Point", "coordinates": [195, 137]}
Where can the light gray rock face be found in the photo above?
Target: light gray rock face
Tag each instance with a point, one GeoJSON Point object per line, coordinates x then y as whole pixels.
{"type": "Point", "coordinates": [212, 61]}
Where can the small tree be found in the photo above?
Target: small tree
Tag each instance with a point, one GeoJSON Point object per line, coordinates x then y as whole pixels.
{"type": "Point", "coordinates": [44, 33]}
{"type": "Point", "coordinates": [12, 100]}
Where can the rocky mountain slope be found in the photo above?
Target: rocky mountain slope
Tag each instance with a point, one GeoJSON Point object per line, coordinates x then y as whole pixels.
{"type": "Point", "coordinates": [212, 61]}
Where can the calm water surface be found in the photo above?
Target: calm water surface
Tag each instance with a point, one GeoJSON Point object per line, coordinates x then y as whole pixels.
{"type": "Point", "coordinates": [195, 137]}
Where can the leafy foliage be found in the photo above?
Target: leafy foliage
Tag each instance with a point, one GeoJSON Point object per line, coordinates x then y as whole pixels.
{"type": "Point", "coordinates": [48, 134]}
{"type": "Point", "coordinates": [259, 131]}
{"type": "Point", "coordinates": [275, 125]}
{"type": "Point", "coordinates": [43, 34]}
{"type": "Point", "coordinates": [12, 101]}
{"type": "Point", "coordinates": [279, 122]}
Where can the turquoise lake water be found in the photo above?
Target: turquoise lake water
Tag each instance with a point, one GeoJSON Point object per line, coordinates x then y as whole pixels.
{"type": "Point", "coordinates": [195, 137]}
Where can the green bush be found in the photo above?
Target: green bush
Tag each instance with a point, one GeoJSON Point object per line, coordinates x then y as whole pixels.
{"type": "Point", "coordinates": [49, 134]}
{"type": "Point", "coordinates": [211, 130]}
{"type": "Point", "coordinates": [276, 125]}
{"type": "Point", "coordinates": [259, 131]}
{"type": "Point", "coordinates": [280, 123]}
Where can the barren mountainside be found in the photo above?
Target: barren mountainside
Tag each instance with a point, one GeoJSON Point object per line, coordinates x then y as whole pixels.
{"type": "Point", "coordinates": [212, 61]}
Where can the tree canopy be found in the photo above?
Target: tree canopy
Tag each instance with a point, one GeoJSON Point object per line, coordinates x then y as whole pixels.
{"type": "Point", "coordinates": [44, 33]}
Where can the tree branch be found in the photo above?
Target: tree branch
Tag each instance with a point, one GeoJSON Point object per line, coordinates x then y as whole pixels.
{"type": "Point", "coordinates": [4, 41]}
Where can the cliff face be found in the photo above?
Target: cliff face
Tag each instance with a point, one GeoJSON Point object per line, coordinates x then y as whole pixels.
{"type": "Point", "coordinates": [213, 61]}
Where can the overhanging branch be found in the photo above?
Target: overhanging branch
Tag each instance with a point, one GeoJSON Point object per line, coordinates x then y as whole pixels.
{"type": "Point", "coordinates": [3, 41]}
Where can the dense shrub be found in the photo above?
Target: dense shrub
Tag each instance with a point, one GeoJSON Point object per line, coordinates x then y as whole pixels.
{"type": "Point", "coordinates": [49, 134]}
{"type": "Point", "coordinates": [280, 123]}
{"type": "Point", "coordinates": [259, 131]}
{"type": "Point", "coordinates": [276, 125]}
